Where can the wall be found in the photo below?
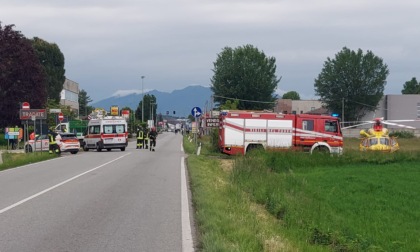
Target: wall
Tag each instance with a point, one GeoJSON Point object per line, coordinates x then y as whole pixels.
{"type": "Point", "coordinates": [70, 89]}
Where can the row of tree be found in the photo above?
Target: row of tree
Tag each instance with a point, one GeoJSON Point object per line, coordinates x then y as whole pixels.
{"type": "Point", "coordinates": [244, 78]}
{"type": "Point", "coordinates": [32, 70]}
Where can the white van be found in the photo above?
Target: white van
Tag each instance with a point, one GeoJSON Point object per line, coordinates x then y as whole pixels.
{"type": "Point", "coordinates": [107, 133]}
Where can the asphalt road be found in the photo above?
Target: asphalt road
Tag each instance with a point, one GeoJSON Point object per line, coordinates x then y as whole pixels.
{"type": "Point", "coordinates": [133, 200]}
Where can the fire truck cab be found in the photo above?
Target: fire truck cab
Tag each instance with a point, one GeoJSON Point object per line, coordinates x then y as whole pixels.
{"type": "Point", "coordinates": [242, 131]}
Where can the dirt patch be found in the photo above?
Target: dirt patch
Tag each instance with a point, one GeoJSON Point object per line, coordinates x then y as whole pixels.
{"type": "Point", "coordinates": [271, 243]}
{"type": "Point", "coordinates": [227, 165]}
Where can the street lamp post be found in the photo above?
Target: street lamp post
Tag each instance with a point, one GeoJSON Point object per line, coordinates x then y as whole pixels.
{"type": "Point", "coordinates": [142, 100]}
{"type": "Point", "coordinates": [151, 110]}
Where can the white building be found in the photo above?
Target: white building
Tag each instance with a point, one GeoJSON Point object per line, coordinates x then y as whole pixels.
{"type": "Point", "coordinates": [289, 106]}
{"type": "Point", "coordinates": [398, 107]}
{"type": "Point", "coordinates": [70, 95]}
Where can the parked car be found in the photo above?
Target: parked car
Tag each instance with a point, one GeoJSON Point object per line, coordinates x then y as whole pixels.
{"type": "Point", "coordinates": [40, 143]}
{"type": "Point", "coordinates": [68, 143]}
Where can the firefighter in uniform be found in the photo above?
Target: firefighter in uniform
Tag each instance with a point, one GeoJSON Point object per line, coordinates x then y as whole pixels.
{"type": "Point", "coordinates": [140, 139]}
{"type": "Point", "coordinates": [146, 139]}
{"type": "Point", "coordinates": [53, 146]}
{"type": "Point", "coordinates": [152, 137]}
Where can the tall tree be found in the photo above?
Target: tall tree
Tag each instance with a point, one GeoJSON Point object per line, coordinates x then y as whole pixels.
{"type": "Point", "coordinates": [246, 74]}
{"type": "Point", "coordinates": [411, 87]}
{"type": "Point", "coordinates": [358, 80]}
{"type": "Point", "coordinates": [149, 105]}
{"type": "Point", "coordinates": [84, 100]}
{"type": "Point", "coordinates": [52, 59]}
{"type": "Point", "coordinates": [230, 105]}
{"type": "Point", "coordinates": [22, 78]}
{"type": "Point", "coordinates": [291, 95]}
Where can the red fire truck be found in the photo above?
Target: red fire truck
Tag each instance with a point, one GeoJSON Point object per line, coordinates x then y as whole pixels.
{"type": "Point", "coordinates": [242, 131]}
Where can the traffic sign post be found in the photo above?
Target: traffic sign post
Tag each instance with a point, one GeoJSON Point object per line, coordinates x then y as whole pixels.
{"type": "Point", "coordinates": [196, 112]}
{"type": "Point", "coordinates": [60, 117]}
{"type": "Point", "coordinates": [25, 105]}
{"type": "Point", "coordinates": [26, 114]}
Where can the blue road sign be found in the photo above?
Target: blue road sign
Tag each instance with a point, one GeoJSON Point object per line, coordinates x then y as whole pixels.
{"type": "Point", "coordinates": [196, 112]}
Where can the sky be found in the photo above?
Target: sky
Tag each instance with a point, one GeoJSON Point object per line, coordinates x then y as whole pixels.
{"type": "Point", "coordinates": [109, 45]}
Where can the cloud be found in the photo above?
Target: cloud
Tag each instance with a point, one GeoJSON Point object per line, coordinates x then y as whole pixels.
{"type": "Point", "coordinates": [122, 93]}
{"type": "Point", "coordinates": [108, 45]}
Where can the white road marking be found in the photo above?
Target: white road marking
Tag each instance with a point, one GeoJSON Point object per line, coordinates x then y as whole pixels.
{"type": "Point", "coordinates": [187, 241]}
{"type": "Point", "coordinates": [57, 185]}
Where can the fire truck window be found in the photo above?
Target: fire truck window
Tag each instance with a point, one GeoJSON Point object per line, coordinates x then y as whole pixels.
{"type": "Point", "coordinates": [108, 129]}
{"type": "Point", "coordinates": [308, 125]}
{"type": "Point", "coordinates": [331, 126]}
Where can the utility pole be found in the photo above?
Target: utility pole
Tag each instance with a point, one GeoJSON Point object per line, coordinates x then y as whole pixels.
{"type": "Point", "coordinates": [142, 100]}
{"type": "Point", "coordinates": [342, 112]}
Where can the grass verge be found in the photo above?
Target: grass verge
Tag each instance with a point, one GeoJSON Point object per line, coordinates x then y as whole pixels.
{"type": "Point", "coordinates": [299, 202]}
{"type": "Point", "coordinates": [227, 219]}
{"type": "Point", "coordinates": [11, 160]}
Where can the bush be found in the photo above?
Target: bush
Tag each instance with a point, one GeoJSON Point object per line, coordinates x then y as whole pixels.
{"type": "Point", "coordinates": [214, 140]}
{"type": "Point", "coordinates": [402, 134]}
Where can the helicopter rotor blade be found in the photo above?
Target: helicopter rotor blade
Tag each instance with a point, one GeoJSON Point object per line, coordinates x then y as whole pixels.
{"type": "Point", "coordinates": [412, 120]}
{"type": "Point", "coordinates": [357, 125]}
{"type": "Point", "coordinates": [399, 125]}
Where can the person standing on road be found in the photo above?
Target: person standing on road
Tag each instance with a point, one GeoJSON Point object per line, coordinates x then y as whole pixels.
{"type": "Point", "coordinates": [53, 147]}
{"type": "Point", "coordinates": [146, 139]}
{"type": "Point", "coordinates": [140, 139]}
{"type": "Point", "coordinates": [152, 137]}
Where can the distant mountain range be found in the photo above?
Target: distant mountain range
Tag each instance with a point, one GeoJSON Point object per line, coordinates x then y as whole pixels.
{"type": "Point", "coordinates": [181, 101]}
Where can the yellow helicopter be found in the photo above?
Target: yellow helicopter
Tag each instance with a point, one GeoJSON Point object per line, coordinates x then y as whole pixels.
{"type": "Point", "coordinates": [377, 138]}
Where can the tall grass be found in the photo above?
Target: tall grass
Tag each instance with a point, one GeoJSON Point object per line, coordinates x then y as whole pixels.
{"type": "Point", "coordinates": [11, 160]}
{"type": "Point", "coordinates": [354, 202]}
{"type": "Point", "coordinates": [227, 220]}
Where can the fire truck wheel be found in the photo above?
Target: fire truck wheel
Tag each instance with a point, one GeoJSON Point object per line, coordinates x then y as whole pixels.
{"type": "Point", "coordinates": [123, 149]}
{"type": "Point", "coordinates": [321, 150]}
{"type": "Point", "coordinates": [253, 147]}
{"type": "Point", "coordinates": [109, 149]}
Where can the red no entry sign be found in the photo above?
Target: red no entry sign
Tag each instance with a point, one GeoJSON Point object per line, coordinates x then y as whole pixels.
{"type": "Point", "coordinates": [25, 105]}
{"type": "Point", "coordinates": [60, 116]}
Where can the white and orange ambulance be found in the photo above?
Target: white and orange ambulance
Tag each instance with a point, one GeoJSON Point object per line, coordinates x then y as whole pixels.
{"type": "Point", "coordinates": [109, 132]}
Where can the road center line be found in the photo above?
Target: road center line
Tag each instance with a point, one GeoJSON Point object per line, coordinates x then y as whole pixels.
{"type": "Point", "coordinates": [57, 185]}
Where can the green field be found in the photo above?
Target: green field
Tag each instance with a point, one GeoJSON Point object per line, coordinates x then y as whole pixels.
{"type": "Point", "coordinates": [294, 201]}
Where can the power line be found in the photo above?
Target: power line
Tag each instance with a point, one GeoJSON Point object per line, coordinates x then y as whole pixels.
{"type": "Point", "coordinates": [243, 99]}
